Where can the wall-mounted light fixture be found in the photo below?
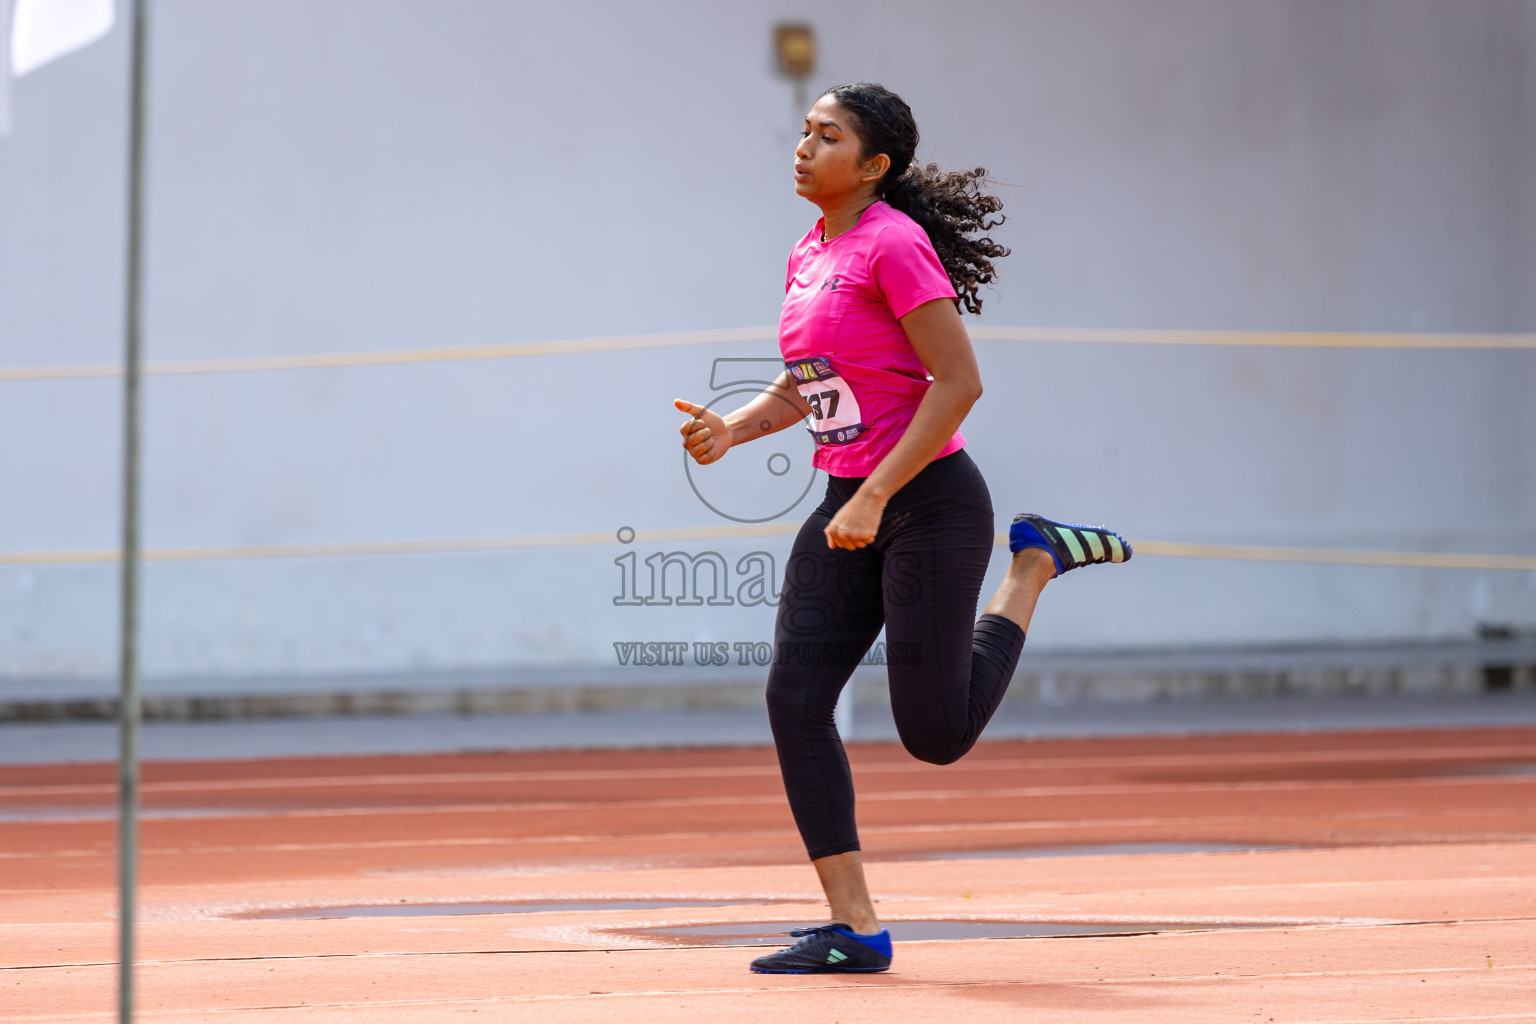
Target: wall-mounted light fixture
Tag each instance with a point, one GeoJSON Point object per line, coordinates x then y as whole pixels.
{"type": "Point", "coordinates": [795, 47]}
{"type": "Point", "coordinates": [794, 51]}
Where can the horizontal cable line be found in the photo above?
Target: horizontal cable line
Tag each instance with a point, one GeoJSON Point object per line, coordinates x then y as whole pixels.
{"type": "Point", "coordinates": [1331, 556]}
{"type": "Point", "coordinates": [1255, 339]}
{"type": "Point", "coordinates": [518, 350]}
{"type": "Point", "coordinates": [398, 357]}
{"type": "Point", "coordinates": [398, 547]}
{"type": "Point", "coordinates": [258, 551]}
{"type": "Point", "coordinates": [1168, 549]}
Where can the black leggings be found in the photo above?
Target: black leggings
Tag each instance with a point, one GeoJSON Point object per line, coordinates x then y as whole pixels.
{"type": "Point", "coordinates": [920, 578]}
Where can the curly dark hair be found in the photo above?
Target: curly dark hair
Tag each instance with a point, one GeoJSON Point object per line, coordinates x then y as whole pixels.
{"type": "Point", "coordinates": [949, 205]}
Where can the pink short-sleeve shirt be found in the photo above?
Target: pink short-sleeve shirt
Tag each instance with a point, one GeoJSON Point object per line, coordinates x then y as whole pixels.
{"type": "Point", "coordinates": [841, 337]}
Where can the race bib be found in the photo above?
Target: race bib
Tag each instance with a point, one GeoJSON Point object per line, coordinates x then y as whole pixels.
{"type": "Point", "coordinates": [834, 411]}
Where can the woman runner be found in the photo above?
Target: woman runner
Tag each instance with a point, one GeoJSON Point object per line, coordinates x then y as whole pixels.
{"type": "Point", "coordinates": [878, 359]}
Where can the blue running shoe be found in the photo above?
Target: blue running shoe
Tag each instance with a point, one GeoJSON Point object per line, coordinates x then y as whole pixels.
{"type": "Point", "coordinates": [1071, 546]}
{"type": "Point", "coordinates": [832, 948]}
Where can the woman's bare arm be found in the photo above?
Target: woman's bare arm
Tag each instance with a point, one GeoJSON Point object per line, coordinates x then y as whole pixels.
{"type": "Point", "coordinates": [707, 436]}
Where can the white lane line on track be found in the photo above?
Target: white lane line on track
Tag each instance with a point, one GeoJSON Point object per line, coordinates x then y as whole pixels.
{"type": "Point", "coordinates": [1516, 1018]}
{"type": "Point", "coordinates": [785, 833]}
{"type": "Point", "coordinates": [867, 986]}
{"type": "Point", "coordinates": [795, 896]}
{"type": "Point", "coordinates": [1513, 1017]}
{"type": "Point", "coordinates": [422, 954]}
{"type": "Point", "coordinates": [1314, 924]}
{"type": "Point", "coordinates": [591, 939]}
{"type": "Point", "coordinates": [951, 796]}
{"type": "Point", "coordinates": [1211, 761]}
{"type": "Point", "coordinates": [1003, 907]}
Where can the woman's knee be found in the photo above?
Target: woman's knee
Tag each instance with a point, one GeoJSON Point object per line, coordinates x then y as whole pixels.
{"type": "Point", "coordinates": [781, 699]}
{"type": "Point", "coordinates": [799, 704]}
{"type": "Point", "coordinates": [787, 701]}
{"type": "Point", "coordinates": [935, 750]}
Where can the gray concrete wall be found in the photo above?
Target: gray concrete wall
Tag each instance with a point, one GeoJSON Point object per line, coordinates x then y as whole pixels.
{"type": "Point", "coordinates": [359, 175]}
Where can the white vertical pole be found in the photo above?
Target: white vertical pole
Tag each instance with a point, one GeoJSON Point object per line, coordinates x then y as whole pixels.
{"type": "Point", "coordinates": [7, 18]}
{"type": "Point", "coordinates": [128, 699]}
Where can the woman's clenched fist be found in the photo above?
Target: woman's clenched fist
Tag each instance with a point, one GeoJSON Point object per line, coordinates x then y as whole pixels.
{"type": "Point", "coordinates": [705, 436]}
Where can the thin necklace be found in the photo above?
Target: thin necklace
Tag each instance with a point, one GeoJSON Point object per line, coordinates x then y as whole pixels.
{"type": "Point", "coordinates": [860, 217]}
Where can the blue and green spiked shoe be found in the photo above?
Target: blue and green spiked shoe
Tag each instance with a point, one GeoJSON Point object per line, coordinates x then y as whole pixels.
{"type": "Point", "coordinates": [1070, 545]}
{"type": "Point", "coordinates": [829, 949]}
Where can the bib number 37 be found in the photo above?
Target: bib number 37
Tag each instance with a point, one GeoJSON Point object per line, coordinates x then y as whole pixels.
{"type": "Point", "coordinates": [834, 411]}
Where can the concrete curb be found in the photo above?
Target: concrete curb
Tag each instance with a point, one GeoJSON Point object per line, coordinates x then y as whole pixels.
{"type": "Point", "coordinates": [1423, 670]}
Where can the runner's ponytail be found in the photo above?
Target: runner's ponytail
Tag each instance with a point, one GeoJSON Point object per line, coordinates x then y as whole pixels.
{"type": "Point", "coordinates": [948, 205]}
